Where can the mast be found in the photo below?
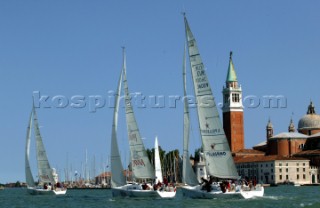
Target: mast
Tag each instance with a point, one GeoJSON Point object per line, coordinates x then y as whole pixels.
{"type": "Point", "coordinates": [219, 161]}
{"type": "Point", "coordinates": [67, 170]}
{"type": "Point", "coordinates": [86, 170]}
{"type": "Point", "coordinates": [174, 167]}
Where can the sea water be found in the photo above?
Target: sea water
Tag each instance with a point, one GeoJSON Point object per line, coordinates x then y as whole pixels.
{"type": "Point", "coordinates": [281, 196]}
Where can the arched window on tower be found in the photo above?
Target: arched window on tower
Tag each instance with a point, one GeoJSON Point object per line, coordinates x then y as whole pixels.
{"type": "Point", "coordinates": [235, 97]}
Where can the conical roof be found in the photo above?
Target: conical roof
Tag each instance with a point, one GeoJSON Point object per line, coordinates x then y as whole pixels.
{"type": "Point", "coordinates": [231, 76]}
{"type": "Point", "coordinates": [291, 127]}
{"type": "Point", "coordinates": [269, 125]}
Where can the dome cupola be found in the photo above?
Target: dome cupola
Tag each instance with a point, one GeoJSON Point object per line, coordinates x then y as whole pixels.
{"type": "Point", "coordinates": [310, 121]}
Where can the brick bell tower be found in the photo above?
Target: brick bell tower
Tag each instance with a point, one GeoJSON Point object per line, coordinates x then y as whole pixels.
{"type": "Point", "coordinates": [233, 110]}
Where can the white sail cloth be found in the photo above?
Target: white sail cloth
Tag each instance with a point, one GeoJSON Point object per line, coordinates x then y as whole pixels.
{"type": "Point", "coordinates": [219, 161]}
{"type": "Point", "coordinates": [141, 166]}
{"type": "Point", "coordinates": [117, 173]}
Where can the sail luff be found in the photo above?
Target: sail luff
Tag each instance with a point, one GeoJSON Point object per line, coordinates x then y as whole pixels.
{"type": "Point", "coordinates": [28, 172]}
{"type": "Point", "coordinates": [117, 173]}
{"type": "Point", "coordinates": [219, 161]}
{"type": "Point", "coordinates": [44, 170]}
{"type": "Point", "coordinates": [141, 165]}
{"type": "Point", "coordinates": [157, 162]}
{"type": "Point", "coordinates": [188, 175]}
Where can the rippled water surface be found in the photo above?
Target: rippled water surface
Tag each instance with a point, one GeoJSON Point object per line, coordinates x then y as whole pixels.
{"type": "Point", "coordinates": [281, 196]}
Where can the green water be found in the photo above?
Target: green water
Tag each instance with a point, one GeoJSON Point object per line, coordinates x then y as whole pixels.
{"type": "Point", "coordinates": [281, 196]}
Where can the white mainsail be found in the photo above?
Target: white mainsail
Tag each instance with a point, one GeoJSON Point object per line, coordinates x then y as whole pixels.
{"type": "Point", "coordinates": [29, 177]}
{"type": "Point", "coordinates": [117, 176]}
{"type": "Point", "coordinates": [188, 175]}
{"type": "Point", "coordinates": [44, 170]}
{"type": "Point", "coordinates": [219, 161]}
{"type": "Point", "coordinates": [140, 162]}
{"type": "Point", "coordinates": [157, 162]}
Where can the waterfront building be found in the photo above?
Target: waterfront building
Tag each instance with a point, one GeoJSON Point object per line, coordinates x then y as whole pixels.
{"type": "Point", "coordinates": [286, 144]}
{"type": "Point", "coordinates": [285, 157]}
{"type": "Point", "coordinates": [302, 144]}
{"type": "Point", "coordinates": [104, 179]}
{"type": "Point", "coordinates": [276, 169]}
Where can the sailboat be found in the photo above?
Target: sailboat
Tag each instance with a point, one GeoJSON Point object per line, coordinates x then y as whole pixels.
{"type": "Point", "coordinates": [164, 192]}
{"type": "Point", "coordinates": [48, 178]}
{"type": "Point", "coordinates": [141, 167]}
{"type": "Point", "coordinates": [217, 154]}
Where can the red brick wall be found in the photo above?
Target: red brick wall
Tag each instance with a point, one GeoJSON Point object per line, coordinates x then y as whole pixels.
{"type": "Point", "coordinates": [283, 147]}
{"type": "Point", "coordinates": [233, 127]}
{"type": "Point", "coordinates": [294, 145]}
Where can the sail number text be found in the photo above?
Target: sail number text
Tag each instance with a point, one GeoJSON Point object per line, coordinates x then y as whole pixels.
{"type": "Point", "coordinates": [139, 162]}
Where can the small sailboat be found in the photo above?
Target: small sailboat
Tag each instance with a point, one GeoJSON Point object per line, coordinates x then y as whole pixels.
{"type": "Point", "coordinates": [48, 178]}
{"type": "Point", "coordinates": [141, 166]}
{"type": "Point", "coordinates": [219, 161]}
{"type": "Point", "coordinates": [163, 191]}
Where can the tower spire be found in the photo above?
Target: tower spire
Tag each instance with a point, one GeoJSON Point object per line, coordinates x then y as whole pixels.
{"type": "Point", "coordinates": [269, 129]}
{"type": "Point", "coordinates": [311, 108]}
{"type": "Point", "coordinates": [291, 127]}
{"type": "Point", "coordinates": [231, 75]}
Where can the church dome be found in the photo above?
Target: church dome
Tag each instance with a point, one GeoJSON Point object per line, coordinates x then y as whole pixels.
{"type": "Point", "coordinates": [311, 120]}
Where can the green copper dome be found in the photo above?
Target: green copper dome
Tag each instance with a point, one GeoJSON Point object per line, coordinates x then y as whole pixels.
{"type": "Point", "coordinates": [231, 76]}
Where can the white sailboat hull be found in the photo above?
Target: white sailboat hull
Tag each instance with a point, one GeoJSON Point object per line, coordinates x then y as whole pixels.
{"type": "Point", "coordinates": [257, 192]}
{"type": "Point", "coordinates": [199, 193]}
{"type": "Point", "coordinates": [167, 194]}
{"type": "Point", "coordinates": [135, 190]}
{"type": "Point", "coordinates": [41, 191]}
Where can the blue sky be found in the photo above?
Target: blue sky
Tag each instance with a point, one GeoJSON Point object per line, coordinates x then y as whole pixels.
{"type": "Point", "coordinates": [71, 48]}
